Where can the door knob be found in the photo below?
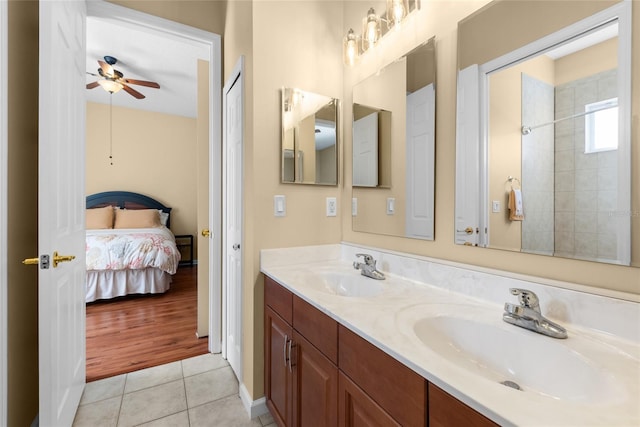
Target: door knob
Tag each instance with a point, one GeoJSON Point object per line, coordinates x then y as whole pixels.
{"type": "Point", "coordinates": [206, 232]}
{"type": "Point", "coordinates": [57, 259]}
{"type": "Point", "coordinates": [467, 230]}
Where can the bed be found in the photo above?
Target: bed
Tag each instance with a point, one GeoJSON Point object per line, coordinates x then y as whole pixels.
{"type": "Point", "coordinates": [130, 248]}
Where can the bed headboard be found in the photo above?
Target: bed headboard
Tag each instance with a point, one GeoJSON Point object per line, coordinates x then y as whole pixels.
{"type": "Point", "coordinates": [126, 200]}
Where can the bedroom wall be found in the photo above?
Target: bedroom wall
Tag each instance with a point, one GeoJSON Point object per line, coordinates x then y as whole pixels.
{"type": "Point", "coordinates": [153, 153]}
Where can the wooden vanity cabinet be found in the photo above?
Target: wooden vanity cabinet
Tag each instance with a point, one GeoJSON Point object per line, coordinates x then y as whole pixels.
{"type": "Point", "coordinates": [301, 373]}
{"type": "Point", "coordinates": [319, 373]}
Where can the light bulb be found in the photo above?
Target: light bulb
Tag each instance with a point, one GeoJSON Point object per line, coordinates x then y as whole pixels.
{"type": "Point", "coordinates": [350, 48]}
{"type": "Point", "coordinates": [370, 30]}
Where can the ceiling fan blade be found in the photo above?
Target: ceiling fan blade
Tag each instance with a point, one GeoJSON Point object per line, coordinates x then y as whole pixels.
{"type": "Point", "coordinates": [142, 83]}
{"type": "Point", "coordinates": [92, 85]}
{"type": "Point", "coordinates": [106, 68]}
{"type": "Point", "coordinates": [133, 92]}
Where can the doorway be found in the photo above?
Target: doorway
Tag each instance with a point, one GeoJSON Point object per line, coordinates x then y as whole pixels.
{"type": "Point", "coordinates": [212, 43]}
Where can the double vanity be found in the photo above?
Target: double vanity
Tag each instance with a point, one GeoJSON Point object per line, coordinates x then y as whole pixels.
{"type": "Point", "coordinates": [432, 344]}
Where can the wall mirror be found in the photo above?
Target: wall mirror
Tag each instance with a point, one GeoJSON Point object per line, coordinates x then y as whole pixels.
{"type": "Point", "coordinates": [543, 133]}
{"type": "Point", "coordinates": [309, 138]}
{"type": "Point", "coordinates": [394, 147]}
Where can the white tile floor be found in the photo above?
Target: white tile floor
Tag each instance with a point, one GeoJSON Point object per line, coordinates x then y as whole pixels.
{"type": "Point", "coordinates": [201, 391]}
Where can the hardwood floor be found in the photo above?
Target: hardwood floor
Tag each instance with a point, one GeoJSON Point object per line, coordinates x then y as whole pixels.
{"type": "Point", "coordinates": [135, 332]}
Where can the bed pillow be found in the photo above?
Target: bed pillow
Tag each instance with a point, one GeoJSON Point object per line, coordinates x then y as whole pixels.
{"type": "Point", "coordinates": [137, 218]}
{"type": "Point", "coordinates": [164, 217]}
{"type": "Point", "coordinates": [99, 218]}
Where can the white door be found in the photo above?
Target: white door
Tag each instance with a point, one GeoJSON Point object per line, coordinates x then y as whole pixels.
{"type": "Point", "coordinates": [233, 111]}
{"type": "Point", "coordinates": [420, 163]}
{"type": "Point", "coordinates": [467, 199]}
{"type": "Point", "coordinates": [365, 151]}
{"type": "Point", "coordinates": [61, 205]}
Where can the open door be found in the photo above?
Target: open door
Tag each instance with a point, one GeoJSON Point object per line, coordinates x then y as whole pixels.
{"type": "Point", "coordinates": [233, 123]}
{"type": "Point", "coordinates": [61, 206]}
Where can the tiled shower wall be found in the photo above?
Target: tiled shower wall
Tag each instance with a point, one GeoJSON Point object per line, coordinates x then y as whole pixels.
{"type": "Point", "coordinates": [585, 184]}
{"type": "Point", "coordinates": [537, 167]}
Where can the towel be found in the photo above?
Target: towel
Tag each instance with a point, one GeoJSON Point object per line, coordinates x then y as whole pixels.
{"type": "Point", "coordinates": [516, 212]}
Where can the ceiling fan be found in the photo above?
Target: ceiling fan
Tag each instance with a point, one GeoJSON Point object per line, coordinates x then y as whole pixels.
{"type": "Point", "coordinates": [113, 80]}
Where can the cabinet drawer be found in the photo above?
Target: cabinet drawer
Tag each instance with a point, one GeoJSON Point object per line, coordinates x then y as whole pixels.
{"type": "Point", "coordinates": [445, 410]}
{"type": "Point", "coordinates": [279, 299]}
{"type": "Point", "coordinates": [397, 389]}
{"type": "Point", "coordinates": [318, 328]}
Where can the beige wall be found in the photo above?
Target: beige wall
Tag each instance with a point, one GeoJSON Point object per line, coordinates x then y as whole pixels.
{"type": "Point", "coordinates": [22, 215]}
{"type": "Point", "coordinates": [308, 36]}
{"type": "Point", "coordinates": [153, 153]}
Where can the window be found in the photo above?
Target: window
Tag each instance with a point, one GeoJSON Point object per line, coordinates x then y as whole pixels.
{"type": "Point", "coordinates": [601, 126]}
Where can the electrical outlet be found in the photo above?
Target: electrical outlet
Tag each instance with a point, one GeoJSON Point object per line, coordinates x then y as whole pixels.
{"type": "Point", "coordinates": [354, 206]}
{"type": "Point", "coordinates": [279, 206]}
{"type": "Point", "coordinates": [332, 206]}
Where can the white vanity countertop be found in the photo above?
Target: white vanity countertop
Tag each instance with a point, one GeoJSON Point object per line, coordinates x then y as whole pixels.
{"type": "Point", "coordinates": [387, 318]}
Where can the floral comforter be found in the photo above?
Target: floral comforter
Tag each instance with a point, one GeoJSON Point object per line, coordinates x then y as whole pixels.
{"type": "Point", "coordinates": [122, 249]}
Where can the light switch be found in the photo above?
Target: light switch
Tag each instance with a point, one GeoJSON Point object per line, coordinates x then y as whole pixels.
{"type": "Point", "coordinates": [354, 206]}
{"type": "Point", "coordinates": [391, 205]}
{"type": "Point", "coordinates": [496, 206]}
{"type": "Point", "coordinates": [279, 205]}
{"type": "Point", "coordinates": [332, 206]}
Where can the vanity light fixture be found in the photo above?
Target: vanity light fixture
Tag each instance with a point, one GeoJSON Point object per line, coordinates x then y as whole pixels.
{"type": "Point", "coordinates": [354, 45]}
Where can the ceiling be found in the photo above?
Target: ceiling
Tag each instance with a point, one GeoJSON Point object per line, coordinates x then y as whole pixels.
{"type": "Point", "coordinates": [145, 54]}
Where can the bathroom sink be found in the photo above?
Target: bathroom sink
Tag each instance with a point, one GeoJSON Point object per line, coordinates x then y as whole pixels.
{"type": "Point", "coordinates": [523, 360]}
{"type": "Point", "coordinates": [349, 284]}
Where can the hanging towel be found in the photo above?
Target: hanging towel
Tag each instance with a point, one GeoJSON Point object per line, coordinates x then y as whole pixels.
{"type": "Point", "coordinates": [516, 212]}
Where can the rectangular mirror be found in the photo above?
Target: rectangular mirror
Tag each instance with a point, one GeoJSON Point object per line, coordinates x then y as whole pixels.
{"type": "Point", "coordinates": [544, 136]}
{"type": "Point", "coordinates": [394, 147]}
{"type": "Point", "coordinates": [309, 138]}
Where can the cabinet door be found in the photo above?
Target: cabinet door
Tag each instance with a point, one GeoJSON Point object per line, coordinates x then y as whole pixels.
{"type": "Point", "coordinates": [445, 410]}
{"type": "Point", "coordinates": [357, 409]}
{"type": "Point", "coordinates": [278, 378]}
{"type": "Point", "coordinates": [315, 389]}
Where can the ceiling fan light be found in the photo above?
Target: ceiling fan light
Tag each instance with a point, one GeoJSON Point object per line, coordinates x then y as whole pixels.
{"type": "Point", "coordinates": [110, 86]}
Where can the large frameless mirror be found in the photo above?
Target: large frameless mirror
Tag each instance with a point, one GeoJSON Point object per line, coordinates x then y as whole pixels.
{"type": "Point", "coordinates": [309, 138]}
{"type": "Point", "coordinates": [394, 147]}
{"type": "Point", "coordinates": [544, 136]}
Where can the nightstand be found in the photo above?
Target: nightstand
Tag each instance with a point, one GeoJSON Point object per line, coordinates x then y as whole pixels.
{"type": "Point", "coordinates": [184, 242]}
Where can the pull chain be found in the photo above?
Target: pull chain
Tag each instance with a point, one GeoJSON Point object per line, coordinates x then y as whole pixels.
{"type": "Point", "coordinates": [111, 128]}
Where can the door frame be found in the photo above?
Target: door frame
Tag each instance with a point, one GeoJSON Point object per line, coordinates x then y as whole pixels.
{"type": "Point", "coordinates": [3, 208]}
{"type": "Point", "coordinates": [236, 77]}
{"type": "Point", "coordinates": [145, 22]}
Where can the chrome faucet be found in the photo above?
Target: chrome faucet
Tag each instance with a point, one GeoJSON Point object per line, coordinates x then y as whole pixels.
{"type": "Point", "coordinates": [368, 267]}
{"type": "Point", "coordinates": [527, 315]}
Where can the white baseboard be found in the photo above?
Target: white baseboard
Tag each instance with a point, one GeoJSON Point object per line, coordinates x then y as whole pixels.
{"type": "Point", "coordinates": [254, 408]}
